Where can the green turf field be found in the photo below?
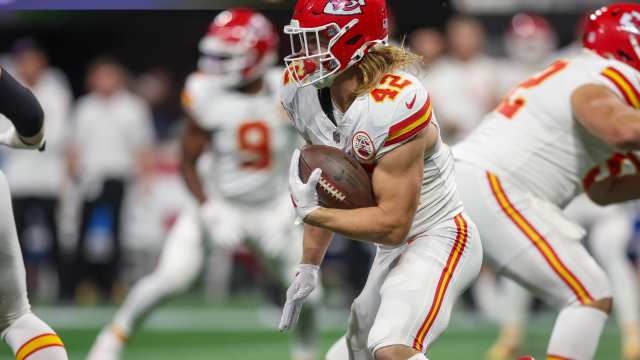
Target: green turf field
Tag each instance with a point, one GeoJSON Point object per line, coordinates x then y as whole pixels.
{"type": "Point", "coordinates": [168, 337]}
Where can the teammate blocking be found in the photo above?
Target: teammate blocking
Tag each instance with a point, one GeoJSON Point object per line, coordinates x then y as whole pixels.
{"type": "Point", "coordinates": [345, 87]}
{"type": "Point", "coordinates": [544, 144]}
{"type": "Point", "coordinates": [27, 335]}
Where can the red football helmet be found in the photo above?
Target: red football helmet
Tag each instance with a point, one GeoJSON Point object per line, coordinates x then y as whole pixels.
{"type": "Point", "coordinates": [239, 46]}
{"type": "Point", "coordinates": [614, 32]}
{"type": "Point", "coordinates": [329, 36]}
{"type": "Point", "coordinates": [530, 38]}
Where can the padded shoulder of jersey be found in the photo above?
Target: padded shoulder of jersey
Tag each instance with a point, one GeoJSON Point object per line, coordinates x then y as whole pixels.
{"type": "Point", "coordinates": [199, 87]}
{"type": "Point", "coordinates": [399, 107]}
{"type": "Point", "coordinates": [618, 76]}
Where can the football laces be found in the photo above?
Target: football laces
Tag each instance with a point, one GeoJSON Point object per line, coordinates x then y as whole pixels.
{"type": "Point", "coordinates": [331, 189]}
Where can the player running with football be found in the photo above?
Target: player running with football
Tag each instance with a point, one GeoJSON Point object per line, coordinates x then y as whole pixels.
{"type": "Point", "coordinates": [548, 141]}
{"type": "Point", "coordinates": [234, 109]}
{"type": "Point", "coordinates": [345, 87]}
{"type": "Point", "coordinates": [27, 335]}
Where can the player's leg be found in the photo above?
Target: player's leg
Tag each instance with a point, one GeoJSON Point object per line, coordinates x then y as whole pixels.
{"type": "Point", "coordinates": [534, 243]}
{"type": "Point", "coordinates": [514, 302]}
{"type": "Point", "coordinates": [180, 263]}
{"type": "Point", "coordinates": [25, 333]}
{"type": "Point", "coordinates": [610, 235]}
{"type": "Point", "coordinates": [366, 304]}
{"type": "Point", "coordinates": [418, 294]}
{"type": "Point", "coordinates": [558, 267]}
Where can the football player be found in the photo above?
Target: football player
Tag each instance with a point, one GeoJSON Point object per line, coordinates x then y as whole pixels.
{"type": "Point", "coordinates": [345, 87]}
{"type": "Point", "coordinates": [27, 335]}
{"type": "Point", "coordinates": [544, 144]}
{"type": "Point", "coordinates": [233, 108]}
{"type": "Point", "coordinates": [609, 229]}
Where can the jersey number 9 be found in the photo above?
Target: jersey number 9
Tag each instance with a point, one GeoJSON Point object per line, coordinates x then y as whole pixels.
{"type": "Point", "coordinates": [255, 145]}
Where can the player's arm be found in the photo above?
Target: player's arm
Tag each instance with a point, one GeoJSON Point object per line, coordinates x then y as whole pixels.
{"type": "Point", "coordinates": [607, 116]}
{"type": "Point", "coordinates": [193, 143]}
{"type": "Point", "coordinates": [615, 189]}
{"type": "Point", "coordinates": [396, 181]}
{"type": "Point", "coordinates": [316, 241]}
{"type": "Point", "coordinates": [19, 105]}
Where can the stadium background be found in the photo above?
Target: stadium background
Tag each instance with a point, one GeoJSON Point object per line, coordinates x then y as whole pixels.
{"type": "Point", "coordinates": [225, 317]}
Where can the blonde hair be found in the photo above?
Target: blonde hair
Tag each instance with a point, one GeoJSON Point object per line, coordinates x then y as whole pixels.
{"type": "Point", "coordinates": [379, 61]}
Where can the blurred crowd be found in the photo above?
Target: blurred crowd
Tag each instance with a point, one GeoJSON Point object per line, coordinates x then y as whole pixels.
{"type": "Point", "coordinates": [93, 216]}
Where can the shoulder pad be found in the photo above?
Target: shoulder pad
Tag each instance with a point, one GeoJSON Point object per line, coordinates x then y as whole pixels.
{"type": "Point", "coordinates": [400, 109]}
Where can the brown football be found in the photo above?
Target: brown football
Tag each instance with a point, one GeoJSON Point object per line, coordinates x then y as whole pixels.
{"type": "Point", "coordinates": [344, 183]}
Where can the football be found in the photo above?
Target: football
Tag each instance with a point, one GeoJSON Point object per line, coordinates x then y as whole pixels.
{"type": "Point", "coordinates": [344, 183]}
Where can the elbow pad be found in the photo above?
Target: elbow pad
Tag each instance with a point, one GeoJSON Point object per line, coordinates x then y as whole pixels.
{"type": "Point", "coordinates": [19, 105]}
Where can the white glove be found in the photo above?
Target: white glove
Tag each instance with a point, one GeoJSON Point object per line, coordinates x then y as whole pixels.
{"type": "Point", "coordinates": [304, 196]}
{"type": "Point", "coordinates": [222, 226]}
{"type": "Point", "coordinates": [12, 139]}
{"type": "Point", "coordinates": [302, 286]}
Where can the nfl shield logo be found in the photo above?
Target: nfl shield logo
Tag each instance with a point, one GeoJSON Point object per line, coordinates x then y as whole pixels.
{"type": "Point", "coordinates": [336, 137]}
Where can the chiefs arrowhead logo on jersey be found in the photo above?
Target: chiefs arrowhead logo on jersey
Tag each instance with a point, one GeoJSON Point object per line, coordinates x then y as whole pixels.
{"type": "Point", "coordinates": [344, 7]}
{"type": "Point", "coordinates": [362, 146]}
{"type": "Point", "coordinates": [630, 22]}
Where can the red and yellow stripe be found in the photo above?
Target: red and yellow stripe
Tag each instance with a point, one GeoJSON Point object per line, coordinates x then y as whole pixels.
{"type": "Point", "coordinates": [36, 344]}
{"type": "Point", "coordinates": [410, 126]}
{"type": "Point", "coordinates": [443, 283]}
{"type": "Point", "coordinates": [539, 241]}
{"type": "Point", "coordinates": [556, 357]}
{"type": "Point", "coordinates": [625, 86]}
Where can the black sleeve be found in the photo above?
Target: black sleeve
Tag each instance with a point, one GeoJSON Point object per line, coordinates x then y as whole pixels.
{"type": "Point", "coordinates": [19, 105]}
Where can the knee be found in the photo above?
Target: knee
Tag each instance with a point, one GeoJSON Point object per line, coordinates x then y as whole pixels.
{"type": "Point", "coordinates": [604, 304]}
{"type": "Point", "coordinates": [395, 352]}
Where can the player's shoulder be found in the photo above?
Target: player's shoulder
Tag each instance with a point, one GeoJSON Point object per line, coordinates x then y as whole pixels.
{"type": "Point", "coordinates": [399, 97]}
{"type": "Point", "coordinates": [198, 87]}
{"type": "Point", "coordinates": [615, 74]}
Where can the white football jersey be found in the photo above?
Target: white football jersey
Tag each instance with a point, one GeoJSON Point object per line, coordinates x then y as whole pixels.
{"type": "Point", "coordinates": [251, 137]}
{"type": "Point", "coordinates": [375, 124]}
{"type": "Point", "coordinates": [532, 138]}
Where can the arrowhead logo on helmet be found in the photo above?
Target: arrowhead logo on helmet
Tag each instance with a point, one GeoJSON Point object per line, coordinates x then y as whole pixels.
{"type": "Point", "coordinates": [614, 32]}
{"type": "Point", "coordinates": [344, 7]}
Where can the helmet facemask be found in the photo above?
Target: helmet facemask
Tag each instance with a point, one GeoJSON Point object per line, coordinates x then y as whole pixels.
{"type": "Point", "coordinates": [311, 60]}
{"type": "Point", "coordinates": [630, 23]}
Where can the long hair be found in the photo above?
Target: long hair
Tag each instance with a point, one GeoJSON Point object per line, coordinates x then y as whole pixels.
{"type": "Point", "coordinates": [379, 61]}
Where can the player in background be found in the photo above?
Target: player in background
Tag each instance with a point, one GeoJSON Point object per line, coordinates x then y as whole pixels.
{"type": "Point", "coordinates": [465, 75]}
{"type": "Point", "coordinates": [27, 335]}
{"type": "Point", "coordinates": [536, 152]}
{"type": "Point", "coordinates": [233, 108]}
{"type": "Point", "coordinates": [345, 87]}
{"type": "Point", "coordinates": [529, 42]}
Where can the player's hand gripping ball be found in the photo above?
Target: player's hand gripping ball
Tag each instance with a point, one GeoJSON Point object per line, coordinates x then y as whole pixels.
{"type": "Point", "coordinates": [323, 176]}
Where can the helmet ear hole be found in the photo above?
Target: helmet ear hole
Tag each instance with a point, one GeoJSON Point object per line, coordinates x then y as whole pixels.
{"type": "Point", "coordinates": [354, 40]}
{"type": "Point", "coordinates": [624, 55]}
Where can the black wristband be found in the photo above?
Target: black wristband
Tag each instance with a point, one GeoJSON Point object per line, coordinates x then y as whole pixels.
{"type": "Point", "coordinates": [19, 105]}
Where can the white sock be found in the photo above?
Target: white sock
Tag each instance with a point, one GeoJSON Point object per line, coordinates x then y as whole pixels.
{"type": "Point", "coordinates": [418, 357]}
{"type": "Point", "coordinates": [577, 332]}
{"type": "Point", "coordinates": [28, 336]}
